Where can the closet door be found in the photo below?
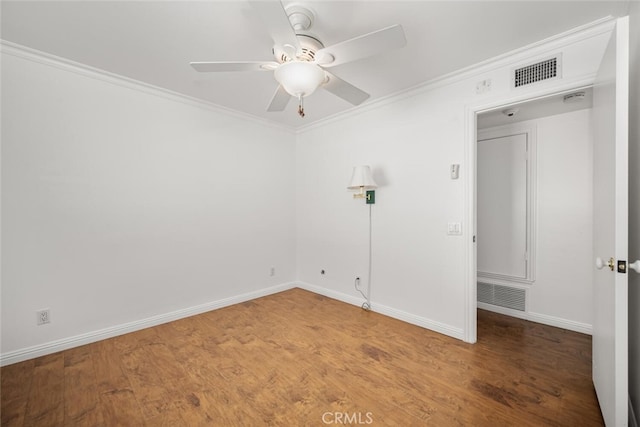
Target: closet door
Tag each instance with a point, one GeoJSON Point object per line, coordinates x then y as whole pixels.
{"type": "Point", "coordinates": [502, 207]}
{"type": "Point", "coordinates": [611, 228]}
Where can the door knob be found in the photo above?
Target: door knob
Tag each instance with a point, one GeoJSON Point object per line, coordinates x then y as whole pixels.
{"type": "Point", "coordinates": [635, 266]}
{"type": "Point", "coordinates": [600, 263]}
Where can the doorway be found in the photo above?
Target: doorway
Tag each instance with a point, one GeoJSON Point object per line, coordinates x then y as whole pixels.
{"type": "Point", "coordinates": [610, 120]}
{"type": "Point", "coordinates": [534, 210]}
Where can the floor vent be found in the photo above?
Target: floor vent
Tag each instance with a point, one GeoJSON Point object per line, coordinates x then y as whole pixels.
{"type": "Point", "coordinates": [543, 70]}
{"type": "Point", "coordinates": [504, 296]}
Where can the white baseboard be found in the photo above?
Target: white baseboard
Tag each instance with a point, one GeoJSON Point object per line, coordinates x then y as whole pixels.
{"type": "Point", "coordinates": [349, 299]}
{"type": "Point", "coordinates": [113, 331]}
{"type": "Point", "coordinates": [424, 322]}
{"type": "Point", "coordinates": [545, 319]}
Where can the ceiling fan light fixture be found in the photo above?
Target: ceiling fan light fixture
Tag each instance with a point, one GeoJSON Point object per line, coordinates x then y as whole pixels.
{"type": "Point", "coordinates": [299, 78]}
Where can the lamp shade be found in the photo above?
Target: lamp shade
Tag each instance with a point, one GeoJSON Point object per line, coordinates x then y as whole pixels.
{"type": "Point", "coordinates": [299, 78]}
{"type": "Point", "coordinates": [362, 178]}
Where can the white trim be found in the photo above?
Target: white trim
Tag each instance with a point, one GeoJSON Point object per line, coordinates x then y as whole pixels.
{"type": "Point", "coordinates": [125, 328]}
{"type": "Point", "coordinates": [471, 129]}
{"type": "Point", "coordinates": [558, 322]}
{"type": "Point", "coordinates": [387, 311]}
{"type": "Point", "coordinates": [64, 64]}
{"type": "Point", "coordinates": [532, 52]}
{"type": "Point", "coordinates": [470, 223]}
{"type": "Point", "coordinates": [349, 299]}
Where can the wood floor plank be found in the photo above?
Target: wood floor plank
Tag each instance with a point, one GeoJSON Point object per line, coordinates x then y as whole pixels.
{"type": "Point", "coordinates": [120, 408]}
{"type": "Point", "coordinates": [108, 367]}
{"type": "Point", "coordinates": [118, 403]}
{"type": "Point", "coordinates": [16, 384]}
{"type": "Point", "coordinates": [295, 357]}
{"type": "Point", "coordinates": [45, 406]}
{"type": "Point", "coordinates": [152, 389]}
{"type": "Point", "coordinates": [81, 400]}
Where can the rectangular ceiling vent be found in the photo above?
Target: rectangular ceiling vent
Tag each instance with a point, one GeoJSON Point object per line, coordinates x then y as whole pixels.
{"type": "Point", "coordinates": [533, 73]}
{"type": "Point", "coordinates": [504, 296]}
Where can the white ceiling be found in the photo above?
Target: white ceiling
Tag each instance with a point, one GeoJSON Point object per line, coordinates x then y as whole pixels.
{"type": "Point", "coordinates": [154, 41]}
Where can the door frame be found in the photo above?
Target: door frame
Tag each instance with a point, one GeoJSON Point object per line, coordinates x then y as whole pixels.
{"type": "Point", "coordinates": [470, 329]}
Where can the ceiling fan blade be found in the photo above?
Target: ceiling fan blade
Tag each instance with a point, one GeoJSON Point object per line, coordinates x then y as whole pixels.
{"type": "Point", "coordinates": [345, 90]}
{"type": "Point", "coordinates": [280, 100]}
{"type": "Point", "coordinates": [222, 66]}
{"type": "Point", "coordinates": [374, 43]}
{"type": "Point", "coordinates": [275, 18]}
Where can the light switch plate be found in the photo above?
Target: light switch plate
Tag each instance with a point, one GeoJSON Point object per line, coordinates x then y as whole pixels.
{"type": "Point", "coordinates": [455, 171]}
{"type": "Point", "coordinates": [454, 228]}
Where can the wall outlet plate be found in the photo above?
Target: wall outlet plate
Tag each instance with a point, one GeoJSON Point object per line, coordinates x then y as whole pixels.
{"type": "Point", "coordinates": [44, 316]}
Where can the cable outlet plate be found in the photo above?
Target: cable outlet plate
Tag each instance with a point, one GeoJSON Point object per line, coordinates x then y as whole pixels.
{"type": "Point", "coordinates": [43, 316]}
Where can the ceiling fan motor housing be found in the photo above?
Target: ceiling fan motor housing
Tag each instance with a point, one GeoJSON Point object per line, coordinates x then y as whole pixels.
{"type": "Point", "coordinates": [309, 46]}
{"type": "Point", "coordinates": [301, 19]}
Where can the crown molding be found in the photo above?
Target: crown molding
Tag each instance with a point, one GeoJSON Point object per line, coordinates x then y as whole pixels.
{"type": "Point", "coordinates": [515, 57]}
{"type": "Point", "coordinates": [33, 55]}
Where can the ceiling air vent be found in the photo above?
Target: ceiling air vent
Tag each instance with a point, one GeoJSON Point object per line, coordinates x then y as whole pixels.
{"type": "Point", "coordinates": [543, 70]}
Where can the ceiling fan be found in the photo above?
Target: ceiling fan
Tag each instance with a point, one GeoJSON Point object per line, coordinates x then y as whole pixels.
{"type": "Point", "coordinates": [301, 60]}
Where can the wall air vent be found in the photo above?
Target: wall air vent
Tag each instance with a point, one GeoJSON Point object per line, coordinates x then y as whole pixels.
{"type": "Point", "coordinates": [504, 296]}
{"type": "Point", "coordinates": [543, 70]}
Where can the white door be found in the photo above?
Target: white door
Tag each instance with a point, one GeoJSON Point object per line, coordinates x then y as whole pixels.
{"type": "Point", "coordinates": [502, 206]}
{"type": "Point", "coordinates": [610, 118]}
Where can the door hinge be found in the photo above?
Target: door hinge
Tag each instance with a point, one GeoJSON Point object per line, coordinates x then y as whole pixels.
{"type": "Point", "coordinates": [622, 266]}
{"type": "Point", "coordinates": [474, 239]}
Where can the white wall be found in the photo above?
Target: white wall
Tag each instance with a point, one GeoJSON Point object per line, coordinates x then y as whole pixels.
{"type": "Point", "coordinates": [419, 273]}
{"type": "Point", "coordinates": [416, 266]}
{"type": "Point", "coordinates": [563, 296]}
{"type": "Point", "coordinates": [634, 208]}
{"type": "Point", "coordinates": [120, 203]}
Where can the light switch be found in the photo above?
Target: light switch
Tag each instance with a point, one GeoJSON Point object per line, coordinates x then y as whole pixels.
{"type": "Point", "coordinates": [455, 171]}
{"type": "Point", "coordinates": [454, 228]}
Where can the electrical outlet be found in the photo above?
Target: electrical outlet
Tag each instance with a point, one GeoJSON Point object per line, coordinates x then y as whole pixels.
{"type": "Point", "coordinates": [272, 272]}
{"type": "Point", "coordinates": [44, 316]}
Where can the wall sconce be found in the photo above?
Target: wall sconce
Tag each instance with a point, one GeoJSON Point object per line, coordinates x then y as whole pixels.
{"type": "Point", "coordinates": [361, 180]}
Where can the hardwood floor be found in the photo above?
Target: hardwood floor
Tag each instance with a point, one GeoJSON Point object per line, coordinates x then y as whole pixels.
{"type": "Point", "coordinates": [296, 358]}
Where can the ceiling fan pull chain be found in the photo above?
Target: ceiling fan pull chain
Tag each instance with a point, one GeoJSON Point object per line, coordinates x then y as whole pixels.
{"type": "Point", "coordinates": [300, 106]}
